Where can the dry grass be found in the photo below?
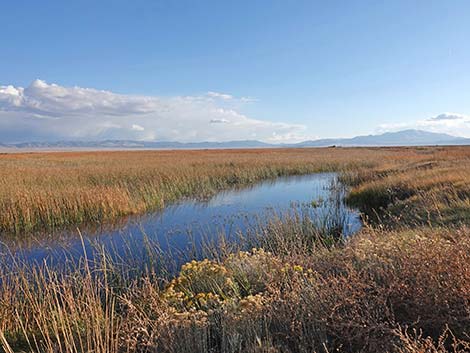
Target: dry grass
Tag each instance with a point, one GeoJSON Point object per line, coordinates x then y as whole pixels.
{"type": "Point", "coordinates": [43, 191]}
{"type": "Point", "coordinates": [48, 190]}
{"type": "Point", "coordinates": [400, 288]}
{"type": "Point", "coordinates": [380, 292]}
{"type": "Point", "coordinates": [431, 191]}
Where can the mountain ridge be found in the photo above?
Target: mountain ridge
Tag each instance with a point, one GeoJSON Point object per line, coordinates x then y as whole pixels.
{"type": "Point", "coordinates": [409, 137]}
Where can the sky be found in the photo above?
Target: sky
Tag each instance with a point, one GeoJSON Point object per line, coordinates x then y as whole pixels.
{"type": "Point", "coordinates": [275, 71]}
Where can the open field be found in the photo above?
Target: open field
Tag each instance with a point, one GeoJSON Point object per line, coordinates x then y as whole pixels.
{"type": "Point", "coordinates": [401, 285]}
{"type": "Point", "coordinates": [47, 190]}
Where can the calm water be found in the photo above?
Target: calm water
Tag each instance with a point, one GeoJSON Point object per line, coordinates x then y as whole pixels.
{"type": "Point", "coordinates": [183, 226]}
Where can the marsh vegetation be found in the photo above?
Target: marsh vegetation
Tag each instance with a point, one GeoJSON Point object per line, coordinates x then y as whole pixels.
{"type": "Point", "coordinates": [402, 284]}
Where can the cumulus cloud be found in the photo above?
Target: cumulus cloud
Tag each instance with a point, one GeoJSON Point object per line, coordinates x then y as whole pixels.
{"type": "Point", "coordinates": [219, 95]}
{"type": "Point", "coordinates": [450, 123]}
{"type": "Point", "coordinates": [49, 112]}
{"type": "Point", "coordinates": [229, 97]}
{"type": "Point", "coordinates": [219, 121]}
{"type": "Point", "coordinates": [448, 116]}
{"type": "Point", "coordinates": [137, 127]}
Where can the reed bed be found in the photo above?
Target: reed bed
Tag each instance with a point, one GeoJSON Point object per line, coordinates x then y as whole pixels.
{"type": "Point", "coordinates": [46, 191]}
{"type": "Point", "coordinates": [425, 192]}
{"type": "Point", "coordinates": [292, 286]}
{"type": "Point", "coordinates": [401, 291]}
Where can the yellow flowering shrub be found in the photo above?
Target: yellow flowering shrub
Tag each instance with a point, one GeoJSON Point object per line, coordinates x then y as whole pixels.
{"type": "Point", "coordinates": [201, 285]}
{"type": "Point", "coordinates": [253, 271]}
{"type": "Point", "coordinates": [240, 279]}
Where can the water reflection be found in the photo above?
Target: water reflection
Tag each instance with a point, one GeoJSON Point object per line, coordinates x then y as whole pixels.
{"type": "Point", "coordinates": [182, 227]}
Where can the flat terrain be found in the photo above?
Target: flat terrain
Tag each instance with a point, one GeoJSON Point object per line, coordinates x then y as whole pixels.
{"type": "Point", "coordinates": [48, 190]}
{"type": "Point", "coordinates": [401, 285]}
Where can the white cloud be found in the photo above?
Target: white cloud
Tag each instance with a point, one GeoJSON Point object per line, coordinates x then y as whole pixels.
{"type": "Point", "coordinates": [219, 121]}
{"type": "Point", "coordinates": [47, 112]}
{"type": "Point", "coordinates": [136, 127]}
{"type": "Point", "coordinates": [450, 123]}
{"type": "Point", "coordinates": [229, 97]}
{"type": "Point", "coordinates": [219, 95]}
{"type": "Point", "coordinates": [448, 116]}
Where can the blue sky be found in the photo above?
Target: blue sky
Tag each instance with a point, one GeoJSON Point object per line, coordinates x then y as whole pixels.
{"type": "Point", "coordinates": [277, 70]}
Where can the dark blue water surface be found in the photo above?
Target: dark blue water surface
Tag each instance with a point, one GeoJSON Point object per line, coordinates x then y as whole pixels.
{"type": "Point", "coordinates": [183, 226]}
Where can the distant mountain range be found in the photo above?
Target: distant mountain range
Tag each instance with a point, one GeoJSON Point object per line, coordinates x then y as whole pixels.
{"type": "Point", "coordinates": [400, 138]}
{"type": "Point", "coordinates": [131, 144]}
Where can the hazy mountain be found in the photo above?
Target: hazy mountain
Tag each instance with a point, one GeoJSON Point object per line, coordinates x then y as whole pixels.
{"type": "Point", "coordinates": [400, 138]}
{"type": "Point", "coordinates": [130, 144]}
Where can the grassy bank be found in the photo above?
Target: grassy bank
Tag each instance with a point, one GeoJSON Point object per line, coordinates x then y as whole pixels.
{"type": "Point", "coordinates": [401, 285]}
{"type": "Point", "coordinates": [433, 191]}
{"type": "Point", "coordinates": [379, 292]}
{"type": "Point", "coordinates": [43, 191]}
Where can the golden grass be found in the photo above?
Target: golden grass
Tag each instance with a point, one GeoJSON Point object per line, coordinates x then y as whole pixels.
{"type": "Point", "coordinates": [431, 191]}
{"type": "Point", "coordinates": [380, 292]}
{"type": "Point", "coordinates": [50, 190]}
{"type": "Point", "coordinates": [43, 191]}
{"type": "Point", "coordinates": [401, 285]}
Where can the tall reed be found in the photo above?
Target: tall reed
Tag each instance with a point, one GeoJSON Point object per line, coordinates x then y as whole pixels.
{"type": "Point", "coordinates": [45, 191]}
{"type": "Point", "coordinates": [293, 293]}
